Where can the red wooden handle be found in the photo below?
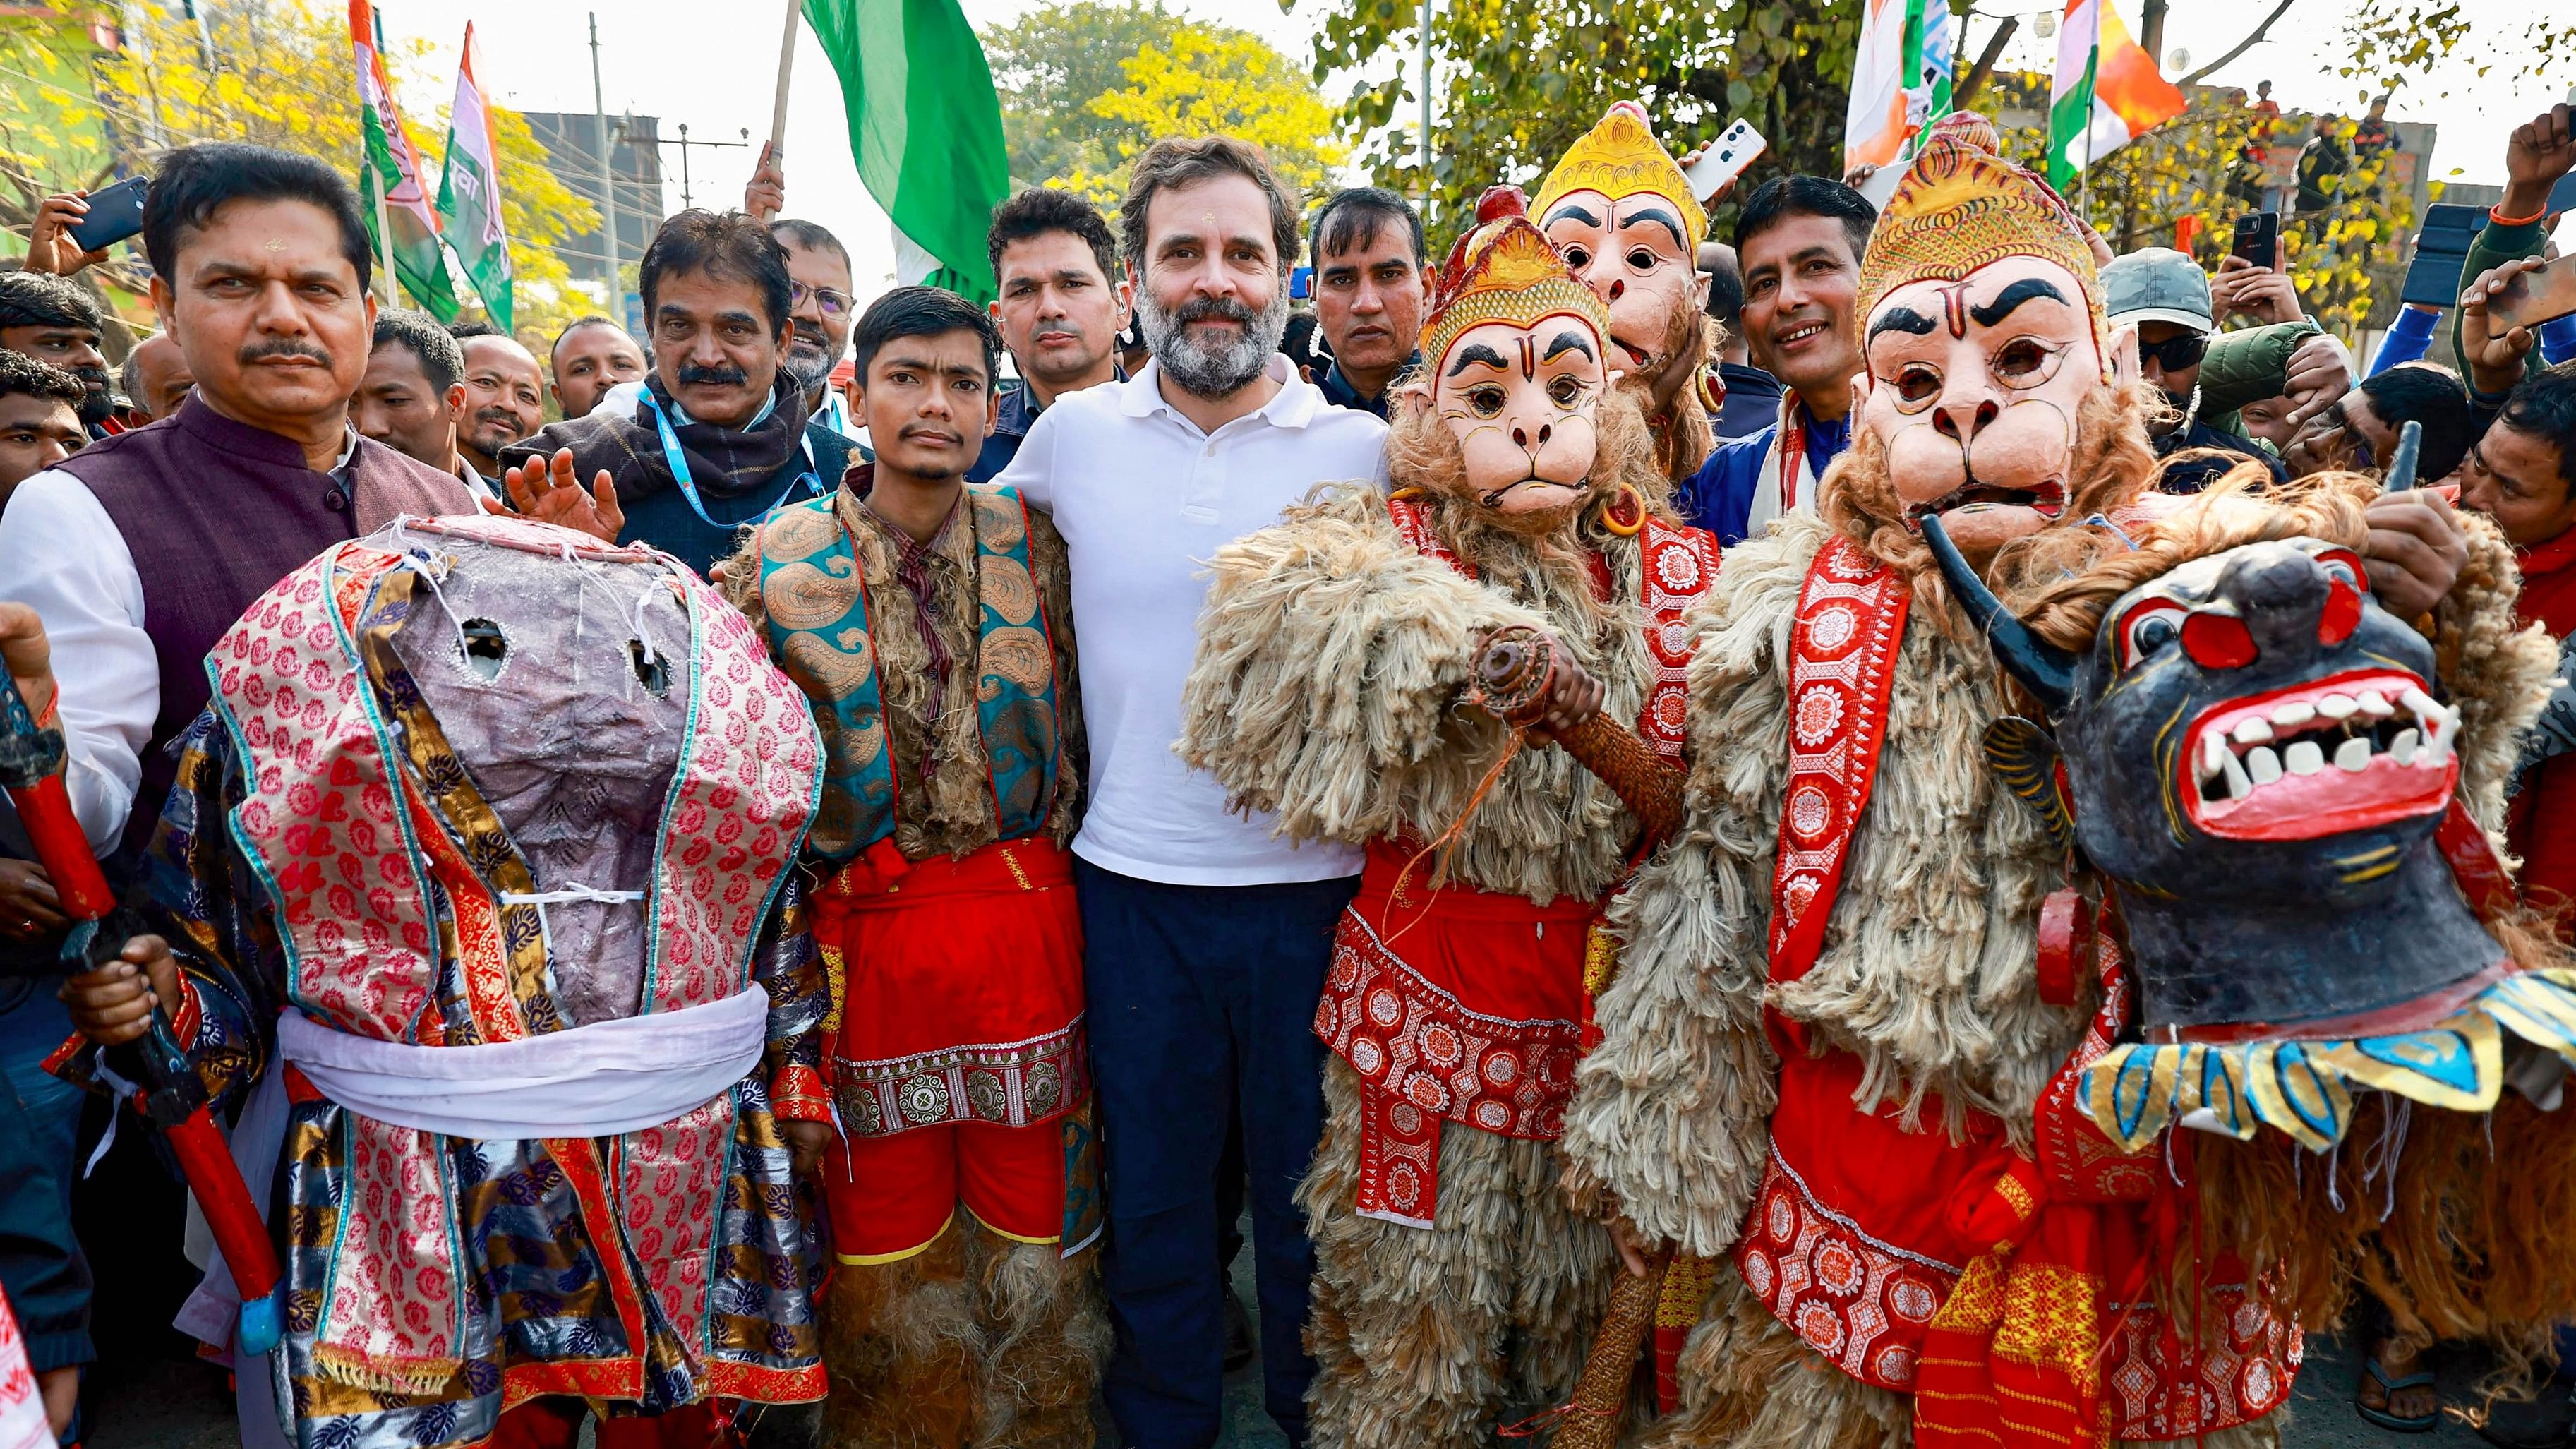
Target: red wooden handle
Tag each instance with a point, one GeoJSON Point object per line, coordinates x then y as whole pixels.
{"type": "Point", "coordinates": [222, 1197]}
{"type": "Point", "coordinates": [46, 810]}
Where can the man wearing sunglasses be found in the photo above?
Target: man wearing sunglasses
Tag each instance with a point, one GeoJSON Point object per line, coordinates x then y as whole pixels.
{"type": "Point", "coordinates": [2206, 377]}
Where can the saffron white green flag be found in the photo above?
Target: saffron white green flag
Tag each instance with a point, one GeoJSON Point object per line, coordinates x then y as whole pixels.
{"type": "Point", "coordinates": [1874, 126]}
{"type": "Point", "coordinates": [1901, 79]}
{"type": "Point", "coordinates": [469, 195]}
{"type": "Point", "coordinates": [925, 126]}
{"type": "Point", "coordinates": [390, 178]}
{"type": "Point", "coordinates": [2107, 91]}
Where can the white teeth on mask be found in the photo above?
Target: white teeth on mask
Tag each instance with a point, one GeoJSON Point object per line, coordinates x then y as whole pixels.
{"type": "Point", "coordinates": [2420, 702]}
{"type": "Point", "coordinates": [2291, 716]}
{"type": "Point", "coordinates": [2438, 739]}
{"type": "Point", "coordinates": [2252, 732]}
{"type": "Point", "coordinates": [2262, 764]}
{"type": "Point", "coordinates": [2337, 706]}
{"type": "Point", "coordinates": [2375, 704]}
{"type": "Point", "coordinates": [2402, 748]}
{"type": "Point", "coordinates": [2238, 787]}
{"type": "Point", "coordinates": [2214, 753]}
{"type": "Point", "coordinates": [2353, 755]}
{"type": "Point", "coordinates": [2304, 757]}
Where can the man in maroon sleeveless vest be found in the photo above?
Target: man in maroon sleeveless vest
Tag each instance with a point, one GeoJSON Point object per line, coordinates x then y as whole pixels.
{"type": "Point", "coordinates": [139, 551]}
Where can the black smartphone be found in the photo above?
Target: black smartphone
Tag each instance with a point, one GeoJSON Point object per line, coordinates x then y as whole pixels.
{"type": "Point", "coordinates": [115, 213]}
{"type": "Point", "coordinates": [2441, 252]}
{"type": "Point", "coordinates": [2258, 238]}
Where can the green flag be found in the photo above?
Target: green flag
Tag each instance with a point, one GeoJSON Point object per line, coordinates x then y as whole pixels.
{"type": "Point", "coordinates": [392, 173]}
{"type": "Point", "coordinates": [925, 125]}
{"type": "Point", "coordinates": [469, 194]}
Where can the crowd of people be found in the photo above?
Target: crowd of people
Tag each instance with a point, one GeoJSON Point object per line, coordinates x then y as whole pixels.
{"type": "Point", "coordinates": [1105, 776]}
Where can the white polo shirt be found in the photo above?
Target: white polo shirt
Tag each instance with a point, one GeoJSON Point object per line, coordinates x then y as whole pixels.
{"type": "Point", "coordinates": [1144, 499]}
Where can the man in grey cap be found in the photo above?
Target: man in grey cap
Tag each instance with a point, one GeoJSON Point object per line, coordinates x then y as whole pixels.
{"type": "Point", "coordinates": [2208, 377]}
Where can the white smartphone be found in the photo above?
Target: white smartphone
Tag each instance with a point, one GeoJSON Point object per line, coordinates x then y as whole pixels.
{"type": "Point", "coordinates": [1725, 159]}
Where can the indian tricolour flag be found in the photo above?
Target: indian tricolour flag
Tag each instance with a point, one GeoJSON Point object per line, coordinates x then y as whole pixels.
{"type": "Point", "coordinates": [1901, 78]}
{"type": "Point", "coordinates": [2107, 91]}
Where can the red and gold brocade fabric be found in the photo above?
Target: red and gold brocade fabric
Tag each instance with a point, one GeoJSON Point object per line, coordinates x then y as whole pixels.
{"type": "Point", "coordinates": [2008, 1295]}
{"type": "Point", "coordinates": [1452, 1005]}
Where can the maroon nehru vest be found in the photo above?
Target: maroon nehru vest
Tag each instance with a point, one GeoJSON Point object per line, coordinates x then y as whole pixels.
{"type": "Point", "coordinates": [214, 512]}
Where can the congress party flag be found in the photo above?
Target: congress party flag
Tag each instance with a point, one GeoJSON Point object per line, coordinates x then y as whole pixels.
{"type": "Point", "coordinates": [925, 126]}
{"type": "Point", "coordinates": [390, 179]}
{"type": "Point", "coordinates": [469, 195]}
{"type": "Point", "coordinates": [2107, 91]}
{"type": "Point", "coordinates": [1901, 79]}
{"type": "Point", "coordinates": [1874, 127]}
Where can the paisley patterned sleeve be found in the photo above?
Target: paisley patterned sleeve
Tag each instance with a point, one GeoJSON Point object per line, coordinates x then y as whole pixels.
{"type": "Point", "coordinates": [212, 910]}
{"type": "Point", "coordinates": [1055, 595]}
{"type": "Point", "coordinates": [785, 963]}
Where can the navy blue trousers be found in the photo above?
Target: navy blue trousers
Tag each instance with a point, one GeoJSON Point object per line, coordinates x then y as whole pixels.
{"type": "Point", "coordinates": [1201, 1006]}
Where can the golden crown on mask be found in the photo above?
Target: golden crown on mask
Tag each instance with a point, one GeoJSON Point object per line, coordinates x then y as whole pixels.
{"type": "Point", "coordinates": [1961, 207]}
{"type": "Point", "coordinates": [1619, 157]}
{"type": "Point", "coordinates": [1505, 270]}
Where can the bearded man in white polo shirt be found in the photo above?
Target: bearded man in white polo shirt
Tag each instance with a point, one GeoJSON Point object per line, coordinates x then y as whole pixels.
{"type": "Point", "coordinates": [1206, 935]}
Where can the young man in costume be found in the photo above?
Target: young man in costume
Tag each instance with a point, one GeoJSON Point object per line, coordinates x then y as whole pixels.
{"type": "Point", "coordinates": [928, 621]}
{"type": "Point", "coordinates": [1828, 1056]}
{"type": "Point", "coordinates": [1621, 211]}
{"type": "Point", "coordinates": [1453, 1291]}
{"type": "Point", "coordinates": [480, 912]}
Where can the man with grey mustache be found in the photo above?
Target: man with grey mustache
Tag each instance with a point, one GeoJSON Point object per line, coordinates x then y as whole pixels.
{"type": "Point", "coordinates": [1205, 937]}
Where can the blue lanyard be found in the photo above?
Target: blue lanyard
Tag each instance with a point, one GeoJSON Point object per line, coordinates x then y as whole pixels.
{"type": "Point", "coordinates": [679, 461]}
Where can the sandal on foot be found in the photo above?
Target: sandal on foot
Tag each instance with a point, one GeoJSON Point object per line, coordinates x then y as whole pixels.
{"type": "Point", "coordinates": [2388, 1389]}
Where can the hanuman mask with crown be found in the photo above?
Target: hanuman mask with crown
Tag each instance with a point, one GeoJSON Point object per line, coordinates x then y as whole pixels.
{"type": "Point", "coordinates": [1617, 205]}
{"type": "Point", "coordinates": [1983, 333]}
{"type": "Point", "coordinates": [1518, 363]}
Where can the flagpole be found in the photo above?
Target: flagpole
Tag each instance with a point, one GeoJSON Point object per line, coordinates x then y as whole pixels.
{"type": "Point", "coordinates": [384, 218]}
{"type": "Point", "coordinates": [786, 63]}
{"type": "Point", "coordinates": [2084, 178]}
{"type": "Point", "coordinates": [607, 179]}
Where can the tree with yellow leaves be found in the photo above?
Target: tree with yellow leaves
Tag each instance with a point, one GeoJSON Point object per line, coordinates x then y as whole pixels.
{"type": "Point", "coordinates": [1086, 86]}
{"type": "Point", "coordinates": [271, 72]}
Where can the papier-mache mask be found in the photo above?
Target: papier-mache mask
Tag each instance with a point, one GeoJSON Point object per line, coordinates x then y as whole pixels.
{"type": "Point", "coordinates": [1518, 358]}
{"type": "Point", "coordinates": [2252, 756]}
{"type": "Point", "coordinates": [1617, 205]}
{"type": "Point", "coordinates": [1983, 331]}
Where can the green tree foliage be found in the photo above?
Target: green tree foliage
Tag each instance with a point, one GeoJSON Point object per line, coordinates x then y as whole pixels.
{"type": "Point", "coordinates": [273, 72]}
{"type": "Point", "coordinates": [1086, 85]}
{"type": "Point", "coordinates": [1520, 79]}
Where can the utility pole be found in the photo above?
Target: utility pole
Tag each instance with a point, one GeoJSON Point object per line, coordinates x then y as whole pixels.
{"type": "Point", "coordinates": [684, 143]}
{"type": "Point", "coordinates": [607, 178]}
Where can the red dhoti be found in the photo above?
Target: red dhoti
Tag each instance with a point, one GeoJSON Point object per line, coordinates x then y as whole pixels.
{"type": "Point", "coordinates": [956, 1045]}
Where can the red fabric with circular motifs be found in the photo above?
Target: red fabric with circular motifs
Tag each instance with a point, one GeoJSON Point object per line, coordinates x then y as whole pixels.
{"type": "Point", "coordinates": [1455, 1005]}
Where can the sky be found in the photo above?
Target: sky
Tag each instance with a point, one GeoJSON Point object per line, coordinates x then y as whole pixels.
{"type": "Point", "coordinates": [715, 68]}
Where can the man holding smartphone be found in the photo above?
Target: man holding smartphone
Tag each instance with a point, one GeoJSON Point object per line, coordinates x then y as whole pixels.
{"type": "Point", "coordinates": [2539, 153]}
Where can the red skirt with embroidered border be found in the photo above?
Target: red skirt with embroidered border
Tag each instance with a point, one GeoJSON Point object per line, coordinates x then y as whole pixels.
{"type": "Point", "coordinates": [1456, 1005]}
{"type": "Point", "coordinates": [957, 990]}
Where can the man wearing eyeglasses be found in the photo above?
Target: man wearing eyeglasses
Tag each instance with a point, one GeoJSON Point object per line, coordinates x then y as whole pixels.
{"type": "Point", "coordinates": [821, 303]}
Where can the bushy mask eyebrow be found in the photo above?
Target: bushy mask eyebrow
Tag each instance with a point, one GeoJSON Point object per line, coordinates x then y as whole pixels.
{"type": "Point", "coordinates": [1903, 319]}
{"type": "Point", "coordinates": [1569, 212]}
{"type": "Point", "coordinates": [1660, 217]}
{"type": "Point", "coordinates": [1475, 352]}
{"type": "Point", "coordinates": [1569, 342]}
{"type": "Point", "coordinates": [2013, 296]}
